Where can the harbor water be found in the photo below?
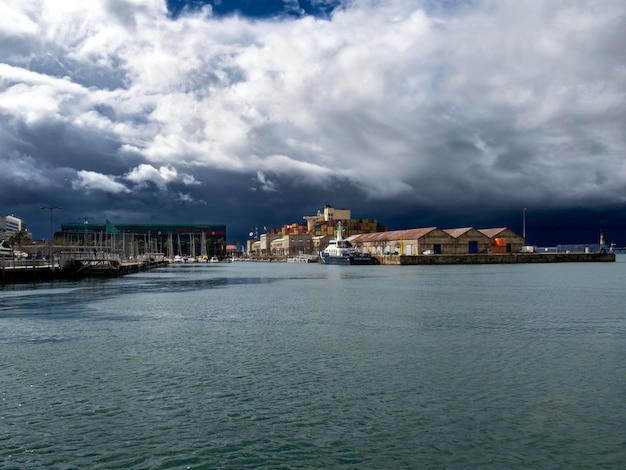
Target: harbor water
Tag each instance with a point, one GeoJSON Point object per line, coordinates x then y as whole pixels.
{"type": "Point", "coordinates": [286, 365]}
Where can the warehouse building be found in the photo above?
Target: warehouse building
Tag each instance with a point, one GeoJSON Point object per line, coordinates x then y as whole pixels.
{"type": "Point", "coordinates": [405, 242]}
{"type": "Point", "coordinates": [432, 240]}
{"type": "Point", "coordinates": [503, 240]}
{"type": "Point", "coordinates": [468, 240]}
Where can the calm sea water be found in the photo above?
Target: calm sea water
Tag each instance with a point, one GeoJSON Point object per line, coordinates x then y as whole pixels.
{"type": "Point", "coordinates": [258, 365]}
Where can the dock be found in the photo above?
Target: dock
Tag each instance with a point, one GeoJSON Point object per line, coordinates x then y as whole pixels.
{"type": "Point", "coordinates": [504, 258]}
{"type": "Point", "coordinates": [16, 273]}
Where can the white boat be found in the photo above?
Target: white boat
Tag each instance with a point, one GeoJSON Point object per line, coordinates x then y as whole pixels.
{"type": "Point", "coordinates": [5, 249]}
{"type": "Point", "coordinates": [302, 259]}
{"type": "Point", "coordinates": [340, 251]}
{"type": "Point", "coordinates": [214, 259]}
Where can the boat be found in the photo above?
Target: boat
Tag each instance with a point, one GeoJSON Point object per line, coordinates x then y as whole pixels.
{"type": "Point", "coordinates": [214, 259]}
{"type": "Point", "coordinates": [302, 259]}
{"type": "Point", "coordinates": [340, 251]}
{"type": "Point", "coordinates": [5, 250]}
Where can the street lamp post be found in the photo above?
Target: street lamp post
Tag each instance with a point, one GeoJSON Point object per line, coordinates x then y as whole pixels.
{"type": "Point", "coordinates": [51, 209]}
{"type": "Point", "coordinates": [524, 224]}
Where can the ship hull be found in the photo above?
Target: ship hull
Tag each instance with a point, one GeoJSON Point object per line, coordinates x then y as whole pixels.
{"type": "Point", "coordinates": [348, 260]}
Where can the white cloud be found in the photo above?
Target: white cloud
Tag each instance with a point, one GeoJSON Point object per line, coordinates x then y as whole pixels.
{"type": "Point", "coordinates": [388, 95]}
{"type": "Point", "coordinates": [159, 176]}
{"type": "Point", "coordinates": [14, 22]}
{"type": "Point", "coordinates": [265, 184]}
{"type": "Point", "coordinates": [90, 181]}
{"type": "Point", "coordinates": [34, 96]}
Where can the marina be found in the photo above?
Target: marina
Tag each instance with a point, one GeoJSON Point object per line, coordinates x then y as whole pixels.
{"type": "Point", "coordinates": [75, 266]}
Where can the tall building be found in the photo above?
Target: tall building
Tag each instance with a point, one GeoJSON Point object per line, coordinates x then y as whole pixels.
{"type": "Point", "coordinates": [10, 225]}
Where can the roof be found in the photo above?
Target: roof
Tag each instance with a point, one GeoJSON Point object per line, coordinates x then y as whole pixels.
{"type": "Point", "coordinates": [492, 232]}
{"type": "Point", "coordinates": [409, 234]}
{"type": "Point", "coordinates": [457, 232]}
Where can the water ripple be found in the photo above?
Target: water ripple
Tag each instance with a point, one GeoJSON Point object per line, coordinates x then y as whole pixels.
{"type": "Point", "coordinates": [286, 366]}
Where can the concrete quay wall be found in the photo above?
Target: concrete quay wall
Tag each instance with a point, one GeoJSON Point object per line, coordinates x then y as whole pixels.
{"type": "Point", "coordinates": [509, 258]}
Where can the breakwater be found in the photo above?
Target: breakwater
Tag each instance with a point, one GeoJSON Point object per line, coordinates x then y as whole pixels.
{"type": "Point", "coordinates": [508, 258]}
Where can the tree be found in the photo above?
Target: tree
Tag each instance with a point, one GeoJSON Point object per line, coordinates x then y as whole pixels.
{"type": "Point", "coordinates": [18, 238]}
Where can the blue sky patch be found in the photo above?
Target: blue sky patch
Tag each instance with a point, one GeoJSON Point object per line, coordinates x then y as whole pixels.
{"type": "Point", "coordinates": [258, 9]}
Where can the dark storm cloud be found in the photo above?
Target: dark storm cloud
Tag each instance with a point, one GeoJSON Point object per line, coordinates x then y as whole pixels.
{"type": "Point", "coordinates": [258, 113]}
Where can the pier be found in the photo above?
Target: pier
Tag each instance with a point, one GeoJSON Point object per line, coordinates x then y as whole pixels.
{"type": "Point", "coordinates": [74, 266]}
{"type": "Point", "coordinates": [505, 258]}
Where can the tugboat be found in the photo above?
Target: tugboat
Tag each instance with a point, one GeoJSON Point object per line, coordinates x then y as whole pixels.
{"type": "Point", "coordinates": [340, 251]}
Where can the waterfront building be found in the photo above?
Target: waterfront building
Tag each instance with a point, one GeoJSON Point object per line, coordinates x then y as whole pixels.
{"type": "Point", "coordinates": [432, 240]}
{"type": "Point", "coordinates": [293, 245]}
{"type": "Point", "coordinates": [261, 247]}
{"type": "Point", "coordinates": [371, 237]}
{"type": "Point", "coordinates": [171, 239]}
{"type": "Point", "coordinates": [232, 251]}
{"type": "Point", "coordinates": [468, 240]}
{"type": "Point", "coordinates": [10, 225]}
{"type": "Point", "coordinates": [320, 242]}
{"type": "Point", "coordinates": [504, 240]}
{"type": "Point", "coordinates": [311, 237]}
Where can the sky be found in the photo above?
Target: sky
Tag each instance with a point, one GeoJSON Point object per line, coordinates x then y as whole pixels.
{"type": "Point", "coordinates": [255, 113]}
